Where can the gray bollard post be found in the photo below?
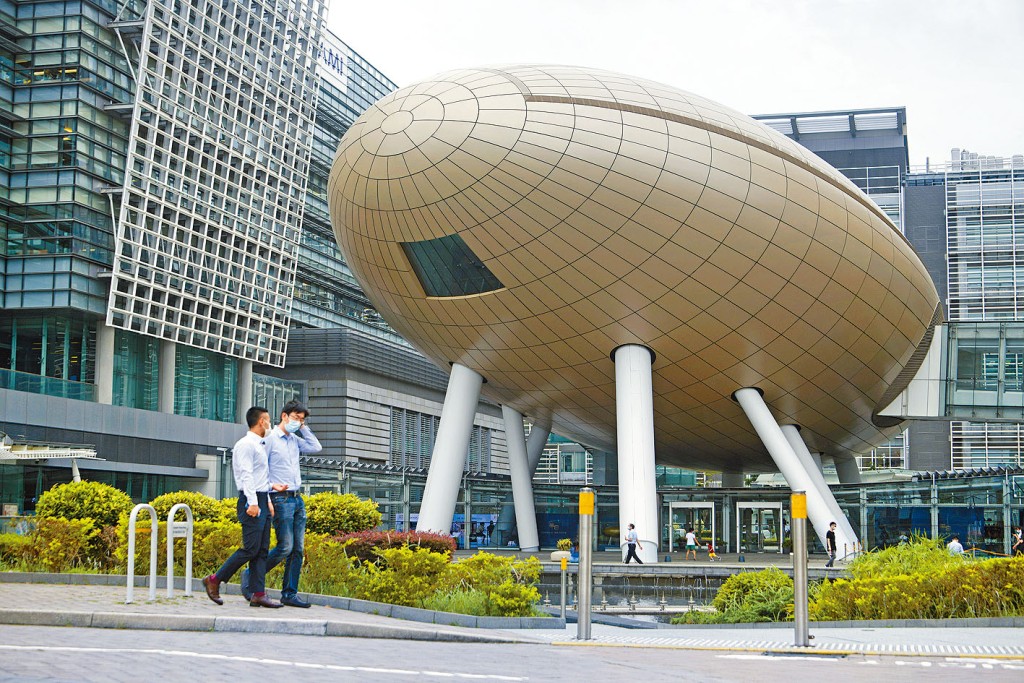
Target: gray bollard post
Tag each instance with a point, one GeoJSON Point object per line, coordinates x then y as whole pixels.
{"type": "Point", "coordinates": [798, 514]}
{"type": "Point", "coordinates": [586, 562]}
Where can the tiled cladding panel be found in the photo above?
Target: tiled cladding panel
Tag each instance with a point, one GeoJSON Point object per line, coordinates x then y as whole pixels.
{"type": "Point", "coordinates": [218, 161]}
{"type": "Point", "coordinates": [619, 211]}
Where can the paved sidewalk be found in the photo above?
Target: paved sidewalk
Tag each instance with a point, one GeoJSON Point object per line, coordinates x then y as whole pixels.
{"type": "Point", "coordinates": [103, 606]}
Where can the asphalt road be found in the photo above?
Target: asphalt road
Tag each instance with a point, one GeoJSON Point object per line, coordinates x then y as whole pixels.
{"type": "Point", "coordinates": [32, 653]}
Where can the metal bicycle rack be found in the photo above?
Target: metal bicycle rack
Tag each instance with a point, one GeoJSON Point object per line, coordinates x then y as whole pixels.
{"type": "Point", "coordinates": [174, 530]}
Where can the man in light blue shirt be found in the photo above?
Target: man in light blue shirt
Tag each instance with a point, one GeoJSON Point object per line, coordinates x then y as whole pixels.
{"type": "Point", "coordinates": [285, 443]}
{"type": "Point", "coordinates": [255, 510]}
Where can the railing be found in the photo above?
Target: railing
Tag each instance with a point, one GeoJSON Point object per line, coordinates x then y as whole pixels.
{"type": "Point", "coordinates": [48, 386]}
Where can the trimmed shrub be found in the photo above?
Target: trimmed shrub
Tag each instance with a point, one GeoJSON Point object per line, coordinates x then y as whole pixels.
{"type": "Point", "coordinates": [362, 546]}
{"type": "Point", "coordinates": [203, 507]}
{"type": "Point", "coordinates": [405, 576]}
{"type": "Point", "coordinates": [327, 569]}
{"type": "Point", "coordinates": [748, 597]}
{"type": "Point", "coordinates": [339, 514]}
{"type": "Point", "coordinates": [62, 544]}
{"type": "Point", "coordinates": [989, 588]}
{"type": "Point", "coordinates": [508, 584]}
{"type": "Point", "coordinates": [101, 503]}
{"type": "Point", "coordinates": [919, 555]}
{"type": "Point", "coordinates": [16, 551]}
{"type": "Point", "coordinates": [460, 601]}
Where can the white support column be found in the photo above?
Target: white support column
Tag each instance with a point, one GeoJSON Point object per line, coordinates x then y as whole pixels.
{"type": "Point", "coordinates": [535, 446]}
{"type": "Point", "coordinates": [816, 457]}
{"type": "Point", "coordinates": [243, 392]}
{"type": "Point", "coordinates": [165, 376]}
{"type": "Point", "coordinates": [522, 484]}
{"type": "Point", "coordinates": [732, 480]}
{"type": "Point", "coordinates": [450, 447]}
{"type": "Point", "coordinates": [782, 453]}
{"type": "Point", "coordinates": [104, 363]}
{"type": "Point", "coordinates": [847, 470]}
{"type": "Point", "coordinates": [634, 416]}
{"type": "Point", "coordinates": [846, 538]}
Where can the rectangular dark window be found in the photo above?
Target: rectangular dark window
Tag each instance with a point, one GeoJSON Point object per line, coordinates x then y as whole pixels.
{"type": "Point", "coordinates": [447, 267]}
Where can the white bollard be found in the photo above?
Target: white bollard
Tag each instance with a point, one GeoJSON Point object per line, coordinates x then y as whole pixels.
{"type": "Point", "coordinates": [131, 551]}
{"type": "Point", "coordinates": [173, 531]}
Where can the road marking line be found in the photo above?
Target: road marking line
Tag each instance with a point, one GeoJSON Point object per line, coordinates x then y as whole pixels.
{"type": "Point", "coordinates": [257, 660]}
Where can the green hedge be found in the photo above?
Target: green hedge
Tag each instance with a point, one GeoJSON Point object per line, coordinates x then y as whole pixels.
{"type": "Point", "coordinates": [339, 514]}
{"type": "Point", "coordinates": [101, 503]}
{"type": "Point", "coordinates": [362, 546]}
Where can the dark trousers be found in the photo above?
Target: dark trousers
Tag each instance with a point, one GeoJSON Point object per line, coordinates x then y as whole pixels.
{"type": "Point", "coordinates": [631, 552]}
{"type": "Point", "coordinates": [255, 545]}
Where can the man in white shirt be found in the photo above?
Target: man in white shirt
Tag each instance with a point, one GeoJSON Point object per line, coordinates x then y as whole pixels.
{"type": "Point", "coordinates": [255, 510]}
{"type": "Point", "coordinates": [954, 547]}
{"type": "Point", "coordinates": [285, 443]}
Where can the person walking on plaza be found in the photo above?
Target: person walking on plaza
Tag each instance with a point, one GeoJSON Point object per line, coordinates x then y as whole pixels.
{"type": "Point", "coordinates": [954, 547]}
{"type": "Point", "coordinates": [691, 544]}
{"type": "Point", "coordinates": [830, 544]}
{"type": "Point", "coordinates": [285, 443]}
{"type": "Point", "coordinates": [1018, 542]}
{"type": "Point", "coordinates": [632, 543]}
{"type": "Point", "coordinates": [255, 510]}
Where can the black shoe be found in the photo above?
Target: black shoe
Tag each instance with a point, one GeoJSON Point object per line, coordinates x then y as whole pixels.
{"type": "Point", "coordinates": [246, 593]}
{"type": "Point", "coordinates": [294, 601]}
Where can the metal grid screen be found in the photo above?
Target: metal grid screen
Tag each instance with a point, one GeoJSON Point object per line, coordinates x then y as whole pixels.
{"type": "Point", "coordinates": [218, 161]}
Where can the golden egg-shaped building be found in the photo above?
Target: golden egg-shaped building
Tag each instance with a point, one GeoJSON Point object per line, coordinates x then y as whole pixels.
{"type": "Point", "coordinates": [526, 221]}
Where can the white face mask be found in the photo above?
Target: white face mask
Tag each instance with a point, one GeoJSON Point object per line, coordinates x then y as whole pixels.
{"type": "Point", "coordinates": [293, 426]}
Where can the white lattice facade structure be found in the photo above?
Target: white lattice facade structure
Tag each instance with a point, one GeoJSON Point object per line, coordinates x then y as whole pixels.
{"type": "Point", "coordinates": [208, 230]}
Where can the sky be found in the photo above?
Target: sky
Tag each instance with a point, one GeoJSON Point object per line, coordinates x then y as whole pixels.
{"type": "Point", "coordinates": [955, 65]}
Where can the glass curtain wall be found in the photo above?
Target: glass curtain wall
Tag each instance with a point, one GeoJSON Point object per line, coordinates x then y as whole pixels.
{"type": "Point", "coordinates": [205, 384]}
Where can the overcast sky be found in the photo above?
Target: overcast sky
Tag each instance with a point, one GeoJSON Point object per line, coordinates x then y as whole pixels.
{"type": "Point", "coordinates": [955, 65]}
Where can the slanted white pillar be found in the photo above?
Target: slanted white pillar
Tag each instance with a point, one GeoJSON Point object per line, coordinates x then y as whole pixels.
{"type": "Point", "coordinates": [785, 459]}
{"type": "Point", "coordinates": [634, 417]}
{"type": "Point", "coordinates": [847, 470]}
{"type": "Point", "coordinates": [166, 375]}
{"type": "Point", "coordinates": [104, 363]}
{"type": "Point", "coordinates": [535, 444]}
{"type": "Point", "coordinates": [846, 538]}
{"type": "Point", "coordinates": [450, 448]}
{"type": "Point", "coordinates": [522, 484]}
{"type": "Point", "coordinates": [816, 457]}
{"type": "Point", "coordinates": [732, 480]}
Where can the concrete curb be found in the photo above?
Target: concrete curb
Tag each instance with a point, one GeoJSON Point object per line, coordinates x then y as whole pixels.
{"type": "Point", "coordinates": [318, 627]}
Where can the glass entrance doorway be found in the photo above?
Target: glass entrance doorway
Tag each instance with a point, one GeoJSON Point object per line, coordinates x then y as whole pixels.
{"type": "Point", "coordinates": [697, 516]}
{"type": "Point", "coordinates": [760, 527]}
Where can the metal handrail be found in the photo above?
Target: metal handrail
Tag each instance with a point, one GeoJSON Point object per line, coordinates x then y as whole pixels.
{"type": "Point", "coordinates": [172, 533]}
{"type": "Point", "coordinates": [131, 551]}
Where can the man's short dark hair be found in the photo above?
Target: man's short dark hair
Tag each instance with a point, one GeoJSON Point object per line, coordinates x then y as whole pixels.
{"type": "Point", "coordinates": [294, 407]}
{"type": "Point", "coordinates": [254, 415]}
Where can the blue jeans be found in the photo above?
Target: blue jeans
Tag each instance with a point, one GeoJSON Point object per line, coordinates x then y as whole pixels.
{"type": "Point", "coordinates": [290, 527]}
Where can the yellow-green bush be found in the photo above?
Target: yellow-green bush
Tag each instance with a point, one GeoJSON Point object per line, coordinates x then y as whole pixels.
{"type": "Point", "coordinates": [405, 577]}
{"type": "Point", "coordinates": [747, 597]}
{"type": "Point", "coordinates": [990, 588]}
{"type": "Point", "coordinates": [508, 584]}
{"type": "Point", "coordinates": [16, 551]}
{"type": "Point", "coordinates": [339, 514]}
{"type": "Point", "coordinates": [203, 507]}
{"type": "Point", "coordinates": [63, 544]}
{"type": "Point", "coordinates": [101, 503]}
{"type": "Point", "coordinates": [327, 568]}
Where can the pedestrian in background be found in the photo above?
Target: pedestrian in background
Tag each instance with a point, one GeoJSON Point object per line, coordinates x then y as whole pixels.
{"type": "Point", "coordinates": [830, 544]}
{"type": "Point", "coordinates": [632, 543]}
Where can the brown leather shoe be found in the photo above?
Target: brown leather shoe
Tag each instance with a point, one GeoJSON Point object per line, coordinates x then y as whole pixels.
{"type": "Point", "coordinates": [263, 601]}
{"type": "Point", "coordinates": [213, 590]}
